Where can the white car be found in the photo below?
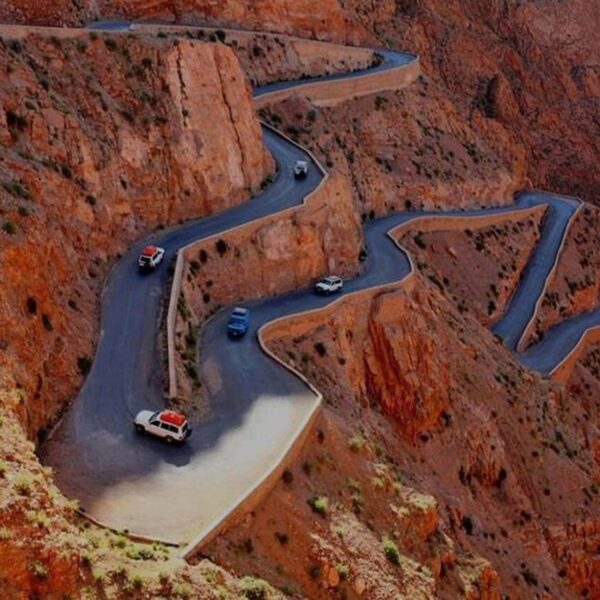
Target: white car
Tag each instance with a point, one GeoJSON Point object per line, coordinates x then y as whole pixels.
{"type": "Point", "coordinates": [329, 285]}
{"type": "Point", "coordinates": [151, 257]}
{"type": "Point", "coordinates": [167, 424]}
{"type": "Point", "coordinates": [301, 169]}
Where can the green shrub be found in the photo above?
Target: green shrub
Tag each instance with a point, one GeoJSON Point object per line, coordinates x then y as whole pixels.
{"type": "Point", "coordinates": [24, 484]}
{"type": "Point", "coordinates": [343, 571]}
{"type": "Point", "coordinates": [39, 570]}
{"type": "Point", "coordinates": [110, 43]}
{"type": "Point", "coordinates": [181, 590]}
{"type": "Point", "coordinates": [253, 588]}
{"type": "Point", "coordinates": [137, 582]}
{"type": "Point", "coordinates": [84, 364]}
{"type": "Point", "coordinates": [319, 504]}
{"type": "Point", "coordinates": [10, 227]}
{"type": "Point", "coordinates": [118, 541]}
{"type": "Point", "coordinates": [390, 551]}
{"type": "Point", "coordinates": [17, 189]}
{"type": "Point", "coordinates": [221, 246]}
{"type": "Point", "coordinates": [356, 443]}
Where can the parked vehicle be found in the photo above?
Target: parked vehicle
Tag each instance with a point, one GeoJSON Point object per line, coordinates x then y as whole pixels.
{"type": "Point", "coordinates": [151, 257]}
{"type": "Point", "coordinates": [301, 169]}
{"type": "Point", "coordinates": [167, 424]}
{"type": "Point", "coordinates": [238, 322]}
{"type": "Point", "coordinates": [329, 285]}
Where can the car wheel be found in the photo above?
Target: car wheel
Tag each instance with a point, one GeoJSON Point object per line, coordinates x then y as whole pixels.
{"type": "Point", "coordinates": [140, 429]}
{"type": "Point", "coordinates": [169, 439]}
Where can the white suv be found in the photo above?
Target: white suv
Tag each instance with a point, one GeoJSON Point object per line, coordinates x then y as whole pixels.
{"type": "Point", "coordinates": [329, 285]}
{"type": "Point", "coordinates": [151, 257]}
{"type": "Point", "coordinates": [167, 424]}
{"type": "Point", "coordinates": [301, 169]}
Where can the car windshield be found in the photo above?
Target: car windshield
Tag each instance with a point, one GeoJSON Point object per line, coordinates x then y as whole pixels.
{"type": "Point", "coordinates": [237, 320]}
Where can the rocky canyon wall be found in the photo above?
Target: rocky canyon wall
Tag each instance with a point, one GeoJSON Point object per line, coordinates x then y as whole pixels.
{"type": "Point", "coordinates": [103, 140]}
{"type": "Point", "coordinates": [405, 373]}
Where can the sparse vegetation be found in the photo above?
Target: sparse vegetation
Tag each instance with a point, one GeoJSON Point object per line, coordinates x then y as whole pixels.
{"type": "Point", "coordinates": [390, 550]}
{"type": "Point", "coordinates": [17, 189]}
{"type": "Point", "coordinates": [10, 227]}
{"type": "Point", "coordinates": [254, 589]}
{"type": "Point", "coordinates": [319, 504]}
{"type": "Point", "coordinates": [24, 484]}
{"type": "Point", "coordinates": [39, 570]}
{"type": "Point", "coordinates": [356, 443]}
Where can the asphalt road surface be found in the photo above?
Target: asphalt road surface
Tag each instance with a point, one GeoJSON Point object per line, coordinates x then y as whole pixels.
{"type": "Point", "coordinates": [173, 492]}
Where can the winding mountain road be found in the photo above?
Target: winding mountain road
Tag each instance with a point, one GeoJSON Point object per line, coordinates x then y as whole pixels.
{"type": "Point", "coordinates": [258, 407]}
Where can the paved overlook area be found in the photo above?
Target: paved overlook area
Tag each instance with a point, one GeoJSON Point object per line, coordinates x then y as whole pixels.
{"type": "Point", "coordinates": [177, 493]}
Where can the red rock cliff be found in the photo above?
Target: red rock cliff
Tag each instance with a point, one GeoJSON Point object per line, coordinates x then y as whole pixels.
{"type": "Point", "coordinates": [103, 140]}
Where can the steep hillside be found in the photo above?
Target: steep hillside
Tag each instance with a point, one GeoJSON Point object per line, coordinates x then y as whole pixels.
{"type": "Point", "coordinates": [526, 72]}
{"type": "Point", "coordinates": [327, 20]}
{"type": "Point", "coordinates": [103, 140]}
{"type": "Point", "coordinates": [406, 377]}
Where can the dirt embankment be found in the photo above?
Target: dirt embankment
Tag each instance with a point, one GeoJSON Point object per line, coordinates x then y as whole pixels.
{"type": "Point", "coordinates": [407, 374]}
{"type": "Point", "coordinates": [103, 140]}
{"type": "Point", "coordinates": [272, 256]}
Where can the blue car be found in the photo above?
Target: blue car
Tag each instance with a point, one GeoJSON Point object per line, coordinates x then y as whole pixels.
{"type": "Point", "coordinates": [238, 323]}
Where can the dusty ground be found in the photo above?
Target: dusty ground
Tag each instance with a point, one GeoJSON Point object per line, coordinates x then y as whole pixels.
{"type": "Point", "coordinates": [480, 267]}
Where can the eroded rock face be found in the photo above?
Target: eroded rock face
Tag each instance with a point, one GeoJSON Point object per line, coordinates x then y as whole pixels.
{"type": "Point", "coordinates": [406, 373]}
{"type": "Point", "coordinates": [575, 546]}
{"type": "Point", "coordinates": [414, 148]}
{"type": "Point", "coordinates": [104, 140]}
